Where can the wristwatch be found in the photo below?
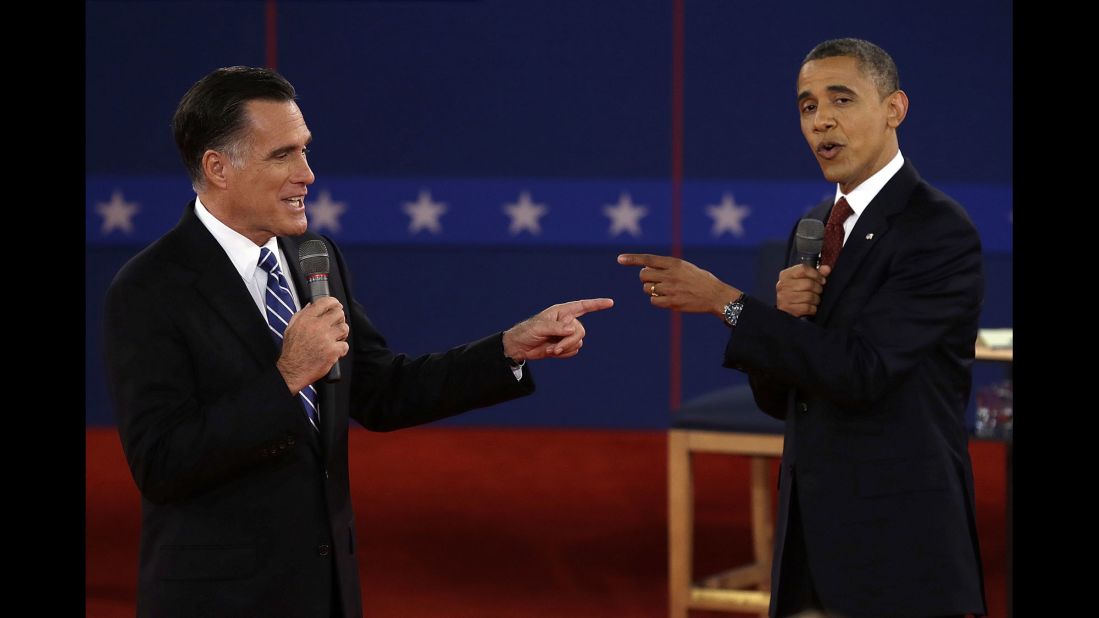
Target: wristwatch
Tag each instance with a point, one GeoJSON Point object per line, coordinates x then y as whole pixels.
{"type": "Point", "coordinates": [731, 312]}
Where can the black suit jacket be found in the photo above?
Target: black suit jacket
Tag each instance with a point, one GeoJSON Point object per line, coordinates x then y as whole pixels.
{"type": "Point", "coordinates": [874, 391]}
{"type": "Point", "coordinates": [245, 508]}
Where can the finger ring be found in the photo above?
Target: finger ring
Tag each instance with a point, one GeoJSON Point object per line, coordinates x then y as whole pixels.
{"type": "Point", "coordinates": [652, 291]}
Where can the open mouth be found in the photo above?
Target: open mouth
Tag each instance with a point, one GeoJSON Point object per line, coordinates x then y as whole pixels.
{"type": "Point", "coordinates": [296, 202]}
{"type": "Point", "coordinates": [829, 150]}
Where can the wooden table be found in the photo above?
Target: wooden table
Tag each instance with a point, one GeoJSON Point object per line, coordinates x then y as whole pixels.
{"type": "Point", "coordinates": [993, 354]}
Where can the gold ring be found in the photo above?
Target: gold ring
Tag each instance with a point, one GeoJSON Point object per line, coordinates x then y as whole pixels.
{"type": "Point", "coordinates": [652, 291]}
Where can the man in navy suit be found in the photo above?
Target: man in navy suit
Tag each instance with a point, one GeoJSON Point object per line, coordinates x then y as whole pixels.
{"type": "Point", "coordinates": [868, 360]}
{"type": "Point", "coordinates": [216, 357]}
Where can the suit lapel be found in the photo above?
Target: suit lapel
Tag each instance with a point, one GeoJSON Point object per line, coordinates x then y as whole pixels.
{"type": "Point", "coordinates": [219, 283]}
{"type": "Point", "coordinates": [870, 230]}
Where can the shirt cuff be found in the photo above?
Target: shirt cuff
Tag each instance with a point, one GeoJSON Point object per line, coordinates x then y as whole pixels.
{"type": "Point", "coordinates": [517, 370]}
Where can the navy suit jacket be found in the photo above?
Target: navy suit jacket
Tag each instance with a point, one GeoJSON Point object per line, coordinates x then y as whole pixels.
{"type": "Point", "coordinates": [874, 390]}
{"type": "Point", "coordinates": [246, 508]}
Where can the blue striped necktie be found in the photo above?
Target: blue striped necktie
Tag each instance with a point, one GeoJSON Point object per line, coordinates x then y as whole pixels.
{"type": "Point", "coordinates": [280, 307]}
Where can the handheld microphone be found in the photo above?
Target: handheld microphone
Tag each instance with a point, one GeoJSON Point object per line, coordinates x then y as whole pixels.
{"type": "Point", "coordinates": [313, 257]}
{"type": "Point", "coordinates": [809, 240]}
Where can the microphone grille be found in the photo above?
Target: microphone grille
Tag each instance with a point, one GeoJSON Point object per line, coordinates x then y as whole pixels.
{"type": "Point", "coordinates": [313, 257]}
{"type": "Point", "coordinates": [810, 236]}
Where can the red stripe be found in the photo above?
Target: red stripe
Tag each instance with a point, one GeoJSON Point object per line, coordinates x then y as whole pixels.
{"type": "Point", "coordinates": [272, 35]}
{"type": "Point", "coordinates": [675, 386]}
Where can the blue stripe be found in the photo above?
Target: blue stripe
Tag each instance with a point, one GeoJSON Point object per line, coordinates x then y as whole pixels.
{"type": "Point", "coordinates": [475, 209]}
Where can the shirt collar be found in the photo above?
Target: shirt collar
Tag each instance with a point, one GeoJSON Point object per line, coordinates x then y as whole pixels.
{"type": "Point", "coordinates": [242, 252]}
{"type": "Point", "coordinates": [861, 196]}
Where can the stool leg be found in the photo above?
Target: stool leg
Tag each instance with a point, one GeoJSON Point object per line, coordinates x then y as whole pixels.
{"type": "Point", "coordinates": [763, 525]}
{"type": "Point", "coordinates": [680, 517]}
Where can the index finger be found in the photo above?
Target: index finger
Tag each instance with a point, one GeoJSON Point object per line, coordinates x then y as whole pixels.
{"type": "Point", "coordinates": [646, 259]}
{"type": "Point", "coordinates": [577, 308]}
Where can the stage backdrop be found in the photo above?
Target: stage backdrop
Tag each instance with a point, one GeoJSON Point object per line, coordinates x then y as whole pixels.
{"type": "Point", "coordinates": [477, 161]}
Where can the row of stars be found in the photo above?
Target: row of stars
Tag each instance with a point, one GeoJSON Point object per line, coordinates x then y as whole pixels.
{"type": "Point", "coordinates": [425, 214]}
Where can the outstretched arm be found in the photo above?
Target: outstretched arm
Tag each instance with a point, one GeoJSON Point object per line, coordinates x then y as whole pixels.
{"type": "Point", "coordinates": [672, 283]}
{"type": "Point", "coordinates": [553, 332]}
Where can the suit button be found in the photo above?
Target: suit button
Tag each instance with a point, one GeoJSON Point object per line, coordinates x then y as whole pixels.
{"type": "Point", "coordinates": [323, 550]}
{"type": "Point", "coordinates": [804, 407]}
{"type": "Point", "coordinates": [282, 446]}
{"type": "Point", "coordinates": [290, 440]}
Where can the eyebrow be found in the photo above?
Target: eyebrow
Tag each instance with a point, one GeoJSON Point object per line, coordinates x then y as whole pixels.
{"type": "Point", "coordinates": [289, 148]}
{"type": "Point", "coordinates": [839, 88]}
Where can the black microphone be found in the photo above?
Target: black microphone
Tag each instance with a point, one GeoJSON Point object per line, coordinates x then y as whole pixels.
{"type": "Point", "coordinates": [313, 257]}
{"type": "Point", "coordinates": [809, 240]}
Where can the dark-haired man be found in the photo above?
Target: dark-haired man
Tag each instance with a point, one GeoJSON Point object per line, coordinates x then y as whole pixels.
{"type": "Point", "coordinates": [216, 359]}
{"type": "Point", "coordinates": [876, 512]}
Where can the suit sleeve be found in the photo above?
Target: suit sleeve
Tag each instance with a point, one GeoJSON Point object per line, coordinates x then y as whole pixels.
{"type": "Point", "coordinates": [391, 390]}
{"type": "Point", "coordinates": [933, 285]}
{"type": "Point", "coordinates": [769, 392]}
{"type": "Point", "coordinates": [179, 439]}
{"type": "Point", "coordinates": [770, 395]}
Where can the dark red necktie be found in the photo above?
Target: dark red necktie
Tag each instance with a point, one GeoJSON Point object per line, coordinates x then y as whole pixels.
{"type": "Point", "coordinates": [833, 232]}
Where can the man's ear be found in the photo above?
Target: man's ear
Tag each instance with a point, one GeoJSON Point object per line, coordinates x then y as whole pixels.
{"type": "Point", "coordinates": [217, 168]}
{"type": "Point", "coordinates": [898, 109]}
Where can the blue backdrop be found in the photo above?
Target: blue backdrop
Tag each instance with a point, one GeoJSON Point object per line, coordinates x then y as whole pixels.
{"type": "Point", "coordinates": [478, 161]}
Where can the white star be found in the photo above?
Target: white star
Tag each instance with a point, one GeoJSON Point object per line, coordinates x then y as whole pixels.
{"type": "Point", "coordinates": [425, 213]}
{"type": "Point", "coordinates": [728, 216]}
{"type": "Point", "coordinates": [525, 215]}
{"type": "Point", "coordinates": [625, 217]}
{"type": "Point", "coordinates": [117, 213]}
{"type": "Point", "coordinates": [325, 213]}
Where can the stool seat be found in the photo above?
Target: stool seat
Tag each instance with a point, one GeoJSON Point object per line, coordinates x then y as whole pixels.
{"type": "Point", "coordinates": [726, 409]}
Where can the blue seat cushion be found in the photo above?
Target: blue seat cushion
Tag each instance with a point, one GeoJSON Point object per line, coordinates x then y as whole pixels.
{"type": "Point", "coordinates": [727, 409]}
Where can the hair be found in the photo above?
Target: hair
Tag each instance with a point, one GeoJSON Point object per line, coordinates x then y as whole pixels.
{"type": "Point", "coordinates": [874, 62]}
{"type": "Point", "coordinates": [211, 115]}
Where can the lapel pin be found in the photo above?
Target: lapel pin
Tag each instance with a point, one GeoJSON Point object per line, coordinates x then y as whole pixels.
{"type": "Point", "coordinates": [870, 235]}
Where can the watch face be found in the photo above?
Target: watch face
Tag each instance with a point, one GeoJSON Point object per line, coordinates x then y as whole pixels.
{"type": "Point", "coordinates": [732, 312]}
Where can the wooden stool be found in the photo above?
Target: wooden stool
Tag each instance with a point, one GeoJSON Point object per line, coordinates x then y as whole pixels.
{"type": "Point", "coordinates": [725, 421]}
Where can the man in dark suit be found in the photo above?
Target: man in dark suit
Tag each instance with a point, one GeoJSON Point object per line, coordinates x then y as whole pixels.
{"type": "Point", "coordinates": [876, 513]}
{"type": "Point", "coordinates": [236, 442]}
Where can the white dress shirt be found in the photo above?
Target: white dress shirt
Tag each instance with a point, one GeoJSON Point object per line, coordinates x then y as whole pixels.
{"type": "Point", "coordinates": [859, 198]}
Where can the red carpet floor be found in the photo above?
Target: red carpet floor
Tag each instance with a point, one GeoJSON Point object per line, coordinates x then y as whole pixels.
{"type": "Point", "coordinates": [492, 523]}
